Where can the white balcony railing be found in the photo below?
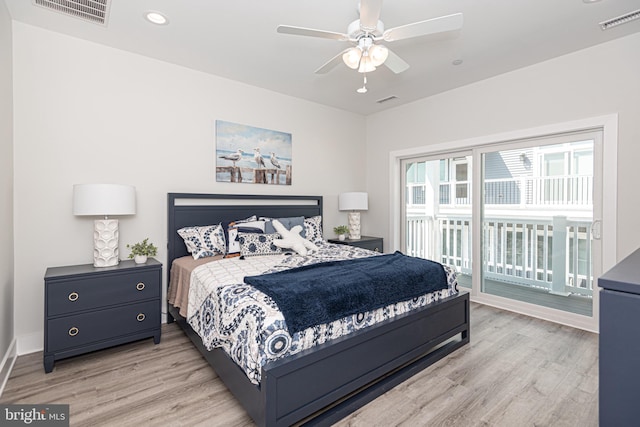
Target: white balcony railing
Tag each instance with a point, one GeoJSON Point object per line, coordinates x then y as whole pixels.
{"type": "Point", "coordinates": [570, 191]}
{"type": "Point", "coordinates": [553, 254]}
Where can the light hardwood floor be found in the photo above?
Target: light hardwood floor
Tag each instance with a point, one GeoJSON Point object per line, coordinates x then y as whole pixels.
{"type": "Point", "coordinates": [517, 371]}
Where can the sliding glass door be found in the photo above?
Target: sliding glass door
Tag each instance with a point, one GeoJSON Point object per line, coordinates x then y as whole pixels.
{"type": "Point", "coordinates": [537, 212]}
{"type": "Point", "coordinates": [437, 211]}
{"type": "Point", "coordinates": [525, 209]}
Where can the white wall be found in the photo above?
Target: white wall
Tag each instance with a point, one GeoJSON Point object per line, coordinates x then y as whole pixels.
{"type": "Point", "coordinates": [593, 82]}
{"type": "Point", "coordinates": [85, 113]}
{"type": "Point", "coordinates": [6, 184]}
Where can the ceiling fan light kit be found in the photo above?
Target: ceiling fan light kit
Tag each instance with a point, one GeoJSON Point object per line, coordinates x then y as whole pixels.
{"type": "Point", "coordinates": [366, 56]}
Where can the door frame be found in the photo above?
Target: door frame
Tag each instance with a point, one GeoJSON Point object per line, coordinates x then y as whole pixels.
{"type": "Point", "coordinates": [608, 222]}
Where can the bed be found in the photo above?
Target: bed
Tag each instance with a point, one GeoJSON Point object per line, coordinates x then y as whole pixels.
{"type": "Point", "coordinates": [320, 385]}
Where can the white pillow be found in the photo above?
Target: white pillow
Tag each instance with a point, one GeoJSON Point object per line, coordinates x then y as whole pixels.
{"type": "Point", "coordinates": [291, 239]}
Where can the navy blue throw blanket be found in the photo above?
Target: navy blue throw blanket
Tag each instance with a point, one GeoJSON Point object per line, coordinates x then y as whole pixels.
{"type": "Point", "coordinates": [328, 291]}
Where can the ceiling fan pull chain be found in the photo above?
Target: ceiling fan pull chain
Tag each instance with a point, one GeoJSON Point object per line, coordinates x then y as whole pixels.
{"type": "Point", "coordinates": [363, 89]}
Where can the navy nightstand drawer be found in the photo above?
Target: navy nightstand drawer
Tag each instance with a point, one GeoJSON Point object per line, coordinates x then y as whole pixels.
{"type": "Point", "coordinates": [72, 295]}
{"type": "Point", "coordinates": [73, 331]}
{"type": "Point", "coordinates": [89, 308]}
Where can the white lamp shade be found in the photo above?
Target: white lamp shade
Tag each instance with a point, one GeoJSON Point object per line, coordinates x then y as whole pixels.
{"type": "Point", "coordinates": [355, 201]}
{"type": "Point", "coordinates": [352, 57]}
{"type": "Point", "coordinates": [378, 54]}
{"type": "Point", "coordinates": [104, 199]}
{"type": "Point", "coordinates": [366, 65]}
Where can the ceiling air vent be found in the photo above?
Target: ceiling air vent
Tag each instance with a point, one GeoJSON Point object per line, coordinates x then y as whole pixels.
{"type": "Point", "coordinates": [95, 11]}
{"type": "Point", "coordinates": [622, 19]}
{"type": "Point", "coordinates": [388, 98]}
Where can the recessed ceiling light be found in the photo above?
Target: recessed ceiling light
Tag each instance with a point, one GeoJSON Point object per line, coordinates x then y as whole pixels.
{"type": "Point", "coordinates": [156, 18]}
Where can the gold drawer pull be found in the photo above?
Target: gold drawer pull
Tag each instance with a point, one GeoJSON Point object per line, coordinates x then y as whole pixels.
{"type": "Point", "coordinates": [140, 286]}
{"type": "Point", "coordinates": [140, 317]}
{"type": "Point", "coordinates": [73, 296]}
{"type": "Point", "coordinates": [74, 331]}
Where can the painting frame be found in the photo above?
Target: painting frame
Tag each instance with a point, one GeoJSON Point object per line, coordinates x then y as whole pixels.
{"type": "Point", "coordinates": [254, 155]}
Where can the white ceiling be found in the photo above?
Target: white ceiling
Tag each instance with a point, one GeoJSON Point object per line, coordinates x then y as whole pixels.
{"type": "Point", "coordinates": [237, 39]}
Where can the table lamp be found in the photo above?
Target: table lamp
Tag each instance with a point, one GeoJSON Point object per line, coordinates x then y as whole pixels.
{"type": "Point", "coordinates": [353, 202]}
{"type": "Point", "coordinates": [104, 200]}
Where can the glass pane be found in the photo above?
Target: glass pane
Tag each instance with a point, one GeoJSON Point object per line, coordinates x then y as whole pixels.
{"type": "Point", "coordinates": [438, 213]}
{"type": "Point", "coordinates": [461, 172]}
{"type": "Point", "coordinates": [583, 163]}
{"type": "Point", "coordinates": [554, 164]}
{"type": "Point", "coordinates": [536, 225]}
{"type": "Point", "coordinates": [444, 171]}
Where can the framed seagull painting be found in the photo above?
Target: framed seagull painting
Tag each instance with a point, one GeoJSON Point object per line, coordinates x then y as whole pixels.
{"type": "Point", "coordinates": [247, 154]}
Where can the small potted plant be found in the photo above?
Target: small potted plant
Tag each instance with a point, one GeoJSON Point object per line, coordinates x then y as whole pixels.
{"type": "Point", "coordinates": [141, 250]}
{"type": "Point", "coordinates": [341, 231]}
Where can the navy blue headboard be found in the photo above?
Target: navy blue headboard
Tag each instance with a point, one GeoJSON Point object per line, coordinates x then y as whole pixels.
{"type": "Point", "coordinates": [188, 209]}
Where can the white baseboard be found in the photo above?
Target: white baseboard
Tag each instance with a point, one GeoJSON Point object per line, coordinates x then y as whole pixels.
{"type": "Point", "coordinates": [8, 360]}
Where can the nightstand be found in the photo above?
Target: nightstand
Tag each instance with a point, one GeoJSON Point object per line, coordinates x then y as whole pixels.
{"type": "Point", "coordinates": [89, 308]}
{"type": "Point", "coordinates": [365, 242]}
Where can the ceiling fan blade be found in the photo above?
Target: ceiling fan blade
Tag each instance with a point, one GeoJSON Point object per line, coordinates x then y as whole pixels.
{"type": "Point", "coordinates": [331, 64]}
{"type": "Point", "coordinates": [395, 63]}
{"type": "Point", "coordinates": [300, 31]}
{"type": "Point", "coordinates": [369, 14]}
{"type": "Point", "coordinates": [423, 28]}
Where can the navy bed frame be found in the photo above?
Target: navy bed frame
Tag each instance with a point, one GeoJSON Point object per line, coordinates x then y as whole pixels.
{"type": "Point", "coordinates": [321, 385]}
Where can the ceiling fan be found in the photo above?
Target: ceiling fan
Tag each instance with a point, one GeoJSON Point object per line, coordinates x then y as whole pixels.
{"type": "Point", "coordinates": [366, 33]}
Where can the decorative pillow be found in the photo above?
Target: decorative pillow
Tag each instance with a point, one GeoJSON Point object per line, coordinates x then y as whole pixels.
{"type": "Point", "coordinates": [291, 239]}
{"type": "Point", "coordinates": [313, 228]}
{"type": "Point", "coordinates": [204, 241]}
{"type": "Point", "coordinates": [252, 244]}
{"type": "Point", "coordinates": [233, 246]}
{"type": "Point", "coordinates": [236, 222]}
{"type": "Point", "coordinates": [288, 223]}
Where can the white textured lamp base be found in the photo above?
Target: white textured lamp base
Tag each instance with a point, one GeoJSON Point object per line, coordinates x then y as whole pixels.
{"type": "Point", "coordinates": [354, 225]}
{"type": "Point", "coordinates": [105, 242]}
